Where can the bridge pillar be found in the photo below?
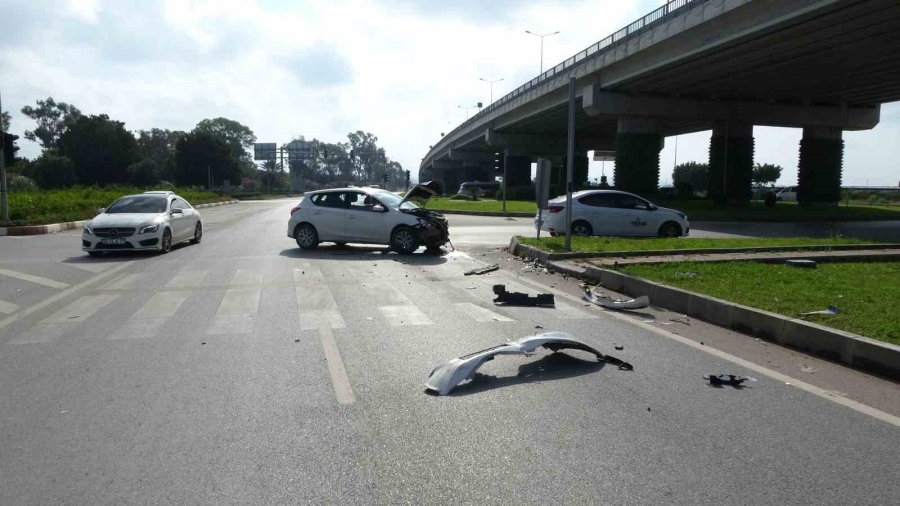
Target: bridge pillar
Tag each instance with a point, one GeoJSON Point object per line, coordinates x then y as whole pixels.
{"type": "Point", "coordinates": [518, 170]}
{"type": "Point", "coordinates": [476, 173]}
{"type": "Point", "coordinates": [637, 156]}
{"type": "Point", "coordinates": [731, 163]}
{"type": "Point", "coordinates": [452, 178]}
{"type": "Point", "coordinates": [821, 162]}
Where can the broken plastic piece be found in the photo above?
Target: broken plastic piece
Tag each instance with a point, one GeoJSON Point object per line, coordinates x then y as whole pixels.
{"type": "Point", "coordinates": [482, 270]}
{"type": "Point", "coordinates": [828, 310]}
{"type": "Point", "coordinates": [450, 374]}
{"type": "Point", "coordinates": [727, 379]}
{"type": "Point", "coordinates": [803, 264]}
{"type": "Point", "coordinates": [521, 299]}
{"type": "Point", "coordinates": [638, 303]}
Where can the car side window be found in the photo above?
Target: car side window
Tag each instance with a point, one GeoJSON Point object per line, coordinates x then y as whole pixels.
{"type": "Point", "coordinates": [331, 199]}
{"type": "Point", "coordinates": [185, 204]}
{"type": "Point", "coordinates": [632, 202]}
{"type": "Point", "coordinates": [598, 200]}
{"type": "Point", "coordinates": [175, 205]}
{"type": "Point", "coordinates": [359, 201]}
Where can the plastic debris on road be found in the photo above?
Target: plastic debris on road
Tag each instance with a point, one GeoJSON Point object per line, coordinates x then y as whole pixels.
{"type": "Point", "coordinates": [727, 379]}
{"type": "Point", "coordinates": [482, 270]}
{"type": "Point", "coordinates": [828, 311]}
{"type": "Point", "coordinates": [521, 299]}
{"type": "Point", "coordinates": [620, 304]}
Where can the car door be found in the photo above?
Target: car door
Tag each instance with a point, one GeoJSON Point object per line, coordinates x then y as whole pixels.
{"type": "Point", "coordinates": [177, 220]}
{"type": "Point", "coordinates": [193, 217]}
{"type": "Point", "coordinates": [636, 216]}
{"type": "Point", "coordinates": [600, 210]}
{"type": "Point", "coordinates": [187, 220]}
{"type": "Point", "coordinates": [329, 216]}
{"type": "Point", "coordinates": [364, 223]}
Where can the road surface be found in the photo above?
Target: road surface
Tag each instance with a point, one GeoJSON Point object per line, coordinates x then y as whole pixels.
{"type": "Point", "coordinates": [243, 370]}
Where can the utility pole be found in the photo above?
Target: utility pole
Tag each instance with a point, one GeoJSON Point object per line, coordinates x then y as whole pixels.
{"type": "Point", "coordinates": [570, 164]}
{"type": "Point", "coordinates": [491, 82]}
{"type": "Point", "coordinates": [208, 178]}
{"type": "Point", "coordinates": [542, 44]}
{"type": "Point", "coordinates": [4, 203]}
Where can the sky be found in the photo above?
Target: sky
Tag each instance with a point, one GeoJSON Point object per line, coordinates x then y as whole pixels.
{"type": "Point", "coordinates": [400, 69]}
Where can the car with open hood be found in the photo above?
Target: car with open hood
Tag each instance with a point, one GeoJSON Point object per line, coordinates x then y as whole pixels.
{"type": "Point", "coordinates": [370, 216]}
{"type": "Point", "coordinates": [154, 221]}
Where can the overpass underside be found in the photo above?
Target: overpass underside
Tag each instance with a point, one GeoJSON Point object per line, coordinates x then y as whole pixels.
{"type": "Point", "coordinates": [823, 66]}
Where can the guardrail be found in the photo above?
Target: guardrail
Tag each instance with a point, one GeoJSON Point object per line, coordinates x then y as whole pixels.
{"type": "Point", "coordinates": [647, 22]}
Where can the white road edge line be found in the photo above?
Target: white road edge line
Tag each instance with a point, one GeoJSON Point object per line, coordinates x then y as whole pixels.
{"type": "Point", "coordinates": [821, 392]}
{"type": "Point", "coordinates": [65, 293]}
{"type": "Point", "coordinates": [34, 279]}
{"type": "Point", "coordinates": [339, 380]}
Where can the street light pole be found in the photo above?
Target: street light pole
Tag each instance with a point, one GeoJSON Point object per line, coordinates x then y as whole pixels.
{"type": "Point", "coordinates": [491, 82]}
{"type": "Point", "coordinates": [4, 204]}
{"type": "Point", "coordinates": [542, 44]}
{"type": "Point", "coordinates": [468, 108]}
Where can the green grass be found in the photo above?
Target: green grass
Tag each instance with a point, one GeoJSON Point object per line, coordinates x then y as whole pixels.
{"type": "Point", "coordinates": [866, 294]}
{"type": "Point", "coordinates": [601, 244]}
{"type": "Point", "coordinates": [512, 206]}
{"type": "Point", "coordinates": [704, 210]}
{"type": "Point", "coordinates": [54, 206]}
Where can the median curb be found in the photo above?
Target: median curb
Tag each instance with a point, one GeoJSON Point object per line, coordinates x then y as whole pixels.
{"type": "Point", "coordinates": [52, 228]}
{"type": "Point", "coordinates": [858, 352]}
{"type": "Point", "coordinates": [484, 213]}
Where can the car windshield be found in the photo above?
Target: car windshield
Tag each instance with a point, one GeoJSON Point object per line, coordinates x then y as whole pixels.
{"type": "Point", "coordinates": [393, 200]}
{"type": "Point", "coordinates": [138, 204]}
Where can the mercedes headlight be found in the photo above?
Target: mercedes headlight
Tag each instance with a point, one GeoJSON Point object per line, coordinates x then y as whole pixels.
{"type": "Point", "coordinates": [149, 229]}
{"type": "Point", "coordinates": [87, 230]}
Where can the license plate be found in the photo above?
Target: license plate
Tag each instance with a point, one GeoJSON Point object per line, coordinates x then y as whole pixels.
{"type": "Point", "coordinates": [112, 241]}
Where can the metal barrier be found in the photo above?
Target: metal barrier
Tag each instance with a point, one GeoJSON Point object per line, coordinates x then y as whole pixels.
{"type": "Point", "coordinates": [641, 25]}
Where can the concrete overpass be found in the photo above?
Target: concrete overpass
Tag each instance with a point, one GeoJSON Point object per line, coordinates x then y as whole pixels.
{"type": "Point", "coordinates": [723, 65]}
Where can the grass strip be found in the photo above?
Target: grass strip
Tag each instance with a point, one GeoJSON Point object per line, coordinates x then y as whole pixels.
{"type": "Point", "coordinates": [602, 244]}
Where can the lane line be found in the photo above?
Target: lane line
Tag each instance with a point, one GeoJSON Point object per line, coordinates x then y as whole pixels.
{"type": "Point", "coordinates": [81, 308]}
{"type": "Point", "coordinates": [8, 307]}
{"type": "Point", "coordinates": [33, 279]}
{"type": "Point", "coordinates": [65, 293]}
{"type": "Point", "coordinates": [336, 370]}
{"type": "Point", "coordinates": [775, 375]}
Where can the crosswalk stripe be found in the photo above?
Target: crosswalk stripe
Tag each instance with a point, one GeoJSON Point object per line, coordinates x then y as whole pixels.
{"type": "Point", "coordinates": [187, 279]}
{"type": "Point", "coordinates": [81, 309]}
{"type": "Point", "coordinates": [240, 301]}
{"type": "Point", "coordinates": [43, 333]}
{"type": "Point", "coordinates": [481, 314]}
{"type": "Point", "coordinates": [231, 324]}
{"type": "Point", "coordinates": [161, 305]}
{"type": "Point", "coordinates": [139, 328]}
{"type": "Point", "coordinates": [314, 297]}
{"type": "Point", "coordinates": [8, 307]}
{"type": "Point", "coordinates": [246, 277]}
{"type": "Point", "coordinates": [307, 274]}
{"type": "Point", "coordinates": [313, 319]}
{"type": "Point", "coordinates": [123, 282]}
{"type": "Point", "coordinates": [405, 314]}
{"type": "Point", "coordinates": [385, 294]}
{"type": "Point", "coordinates": [33, 279]}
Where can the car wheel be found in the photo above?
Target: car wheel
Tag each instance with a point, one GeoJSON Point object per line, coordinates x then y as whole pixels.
{"type": "Point", "coordinates": [670, 229]}
{"type": "Point", "coordinates": [306, 236]}
{"type": "Point", "coordinates": [166, 245]}
{"type": "Point", "coordinates": [95, 253]}
{"type": "Point", "coordinates": [404, 241]}
{"type": "Point", "coordinates": [582, 229]}
{"type": "Point", "coordinates": [198, 234]}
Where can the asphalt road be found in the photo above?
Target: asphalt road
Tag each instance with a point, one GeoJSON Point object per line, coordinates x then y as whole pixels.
{"type": "Point", "coordinates": [243, 370]}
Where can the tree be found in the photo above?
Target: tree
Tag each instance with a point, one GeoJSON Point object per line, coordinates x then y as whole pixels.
{"type": "Point", "coordinates": [143, 173]}
{"type": "Point", "coordinates": [238, 137]}
{"type": "Point", "coordinates": [52, 120]}
{"type": "Point", "coordinates": [50, 170]}
{"type": "Point", "coordinates": [766, 173]}
{"type": "Point", "coordinates": [365, 155]}
{"type": "Point", "coordinates": [9, 145]}
{"type": "Point", "coordinates": [100, 148]}
{"type": "Point", "coordinates": [692, 173]}
{"type": "Point", "coordinates": [199, 155]}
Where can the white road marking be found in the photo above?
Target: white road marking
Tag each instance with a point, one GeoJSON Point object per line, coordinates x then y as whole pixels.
{"type": "Point", "coordinates": [481, 314]}
{"type": "Point", "coordinates": [246, 277]}
{"type": "Point", "coordinates": [314, 297]}
{"type": "Point", "coordinates": [94, 267]}
{"type": "Point", "coordinates": [63, 294]}
{"type": "Point", "coordinates": [386, 294]}
{"type": "Point", "coordinates": [187, 279]}
{"type": "Point", "coordinates": [405, 314]}
{"type": "Point", "coordinates": [8, 307]}
{"type": "Point", "coordinates": [81, 308]}
{"type": "Point", "coordinates": [139, 329]}
{"type": "Point", "coordinates": [339, 380]}
{"type": "Point", "coordinates": [240, 301]}
{"type": "Point", "coordinates": [312, 319]}
{"type": "Point", "coordinates": [231, 324]}
{"type": "Point", "coordinates": [42, 333]}
{"type": "Point", "coordinates": [307, 274]}
{"type": "Point", "coordinates": [161, 305]}
{"type": "Point", "coordinates": [123, 282]}
{"type": "Point", "coordinates": [775, 375]}
{"type": "Point", "coordinates": [33, 279]}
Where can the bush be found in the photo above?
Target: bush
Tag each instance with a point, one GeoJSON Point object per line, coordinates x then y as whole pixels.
{"type": "Point", "coordinates": [143, 173]}
{"type": "Point", "coordinates": [20, 183]}
{"type": "Point", "coordinates": [53, 171]}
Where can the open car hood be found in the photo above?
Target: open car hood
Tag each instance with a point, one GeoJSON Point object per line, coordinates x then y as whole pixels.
{"type": "Point", "coordinates": [450, 374]}
{"type": "Point", "coordinates": [421, 193]}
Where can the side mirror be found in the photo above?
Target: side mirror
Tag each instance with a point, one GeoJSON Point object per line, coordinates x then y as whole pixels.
{"type": "Point", "coordinates": [379, 209]}
{"type": "Point", "coordinates": [101, 210]}
{"type": "Point", "coordinates": [652, 207]}
{"type": "Point", "coordinates": [177, 211]}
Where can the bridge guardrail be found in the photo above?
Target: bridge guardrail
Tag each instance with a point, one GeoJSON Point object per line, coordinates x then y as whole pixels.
{"type": "Point", "coordinates": [641, 25]}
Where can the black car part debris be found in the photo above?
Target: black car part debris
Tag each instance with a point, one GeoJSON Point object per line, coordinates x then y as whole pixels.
{"type": "Point", "coordinates": [450, 374]}
{"type": "Point", "coordinates": [727, 379]}
{"type": "Point", "coordinates": [482, 270]}
{"type": "Point", "coordinates": [626, 304]}
{"type": "Point", "coordinates": [521, 299]}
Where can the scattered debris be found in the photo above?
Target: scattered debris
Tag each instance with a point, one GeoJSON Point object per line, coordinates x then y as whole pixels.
{"type": "Point", "coordinates": [447, 376]}
{"type": "Point", "coordinates": [681, 319]}
{"type": "Point", "coordinates": [829, 311]}
{"type": "Point", "coordinates": [296, 340]}
{"type": "Point", "coordinates": [727, 379]}
{"type": "Point", "coordinates": [803, 264]}
{"type": "Point", "coordinates": [204, 342]}
{"type": "Point", "coordinates": [521, 299]}
{"type": "Point", "coordinates": [807, 369]}
{"type": "Point", "coordinates": [618, 347]}
{"type": "Point", "coordinates": [538, 327]}
{"type": "Point", "coordinates": [620, 304]}
{"type": "Point", "coordinates": [482, 270]}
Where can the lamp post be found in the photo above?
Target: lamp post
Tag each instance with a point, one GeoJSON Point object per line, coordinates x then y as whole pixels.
{"type": "Point", "coordinates": [467, 109]}
{"type": "Point", "coordinates": [4, 204]}
{"type": "Point", "coordinates": [491, 82]}
{"type": "Point", "coordinates": [542, 44]}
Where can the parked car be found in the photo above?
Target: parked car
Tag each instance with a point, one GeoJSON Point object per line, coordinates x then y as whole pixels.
{"type": "Point", "coordinates": [613, 212]}
{"type": "Point", "coordinates": [154, 220]}
{"type": "Point", "coordinates": [369, 216]}
{"type": "Point", "coordinates": [480, 188]}
{"type": "Point", "coordinates": [788, 194]}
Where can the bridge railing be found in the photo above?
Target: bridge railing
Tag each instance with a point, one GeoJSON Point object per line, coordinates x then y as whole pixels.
{"type": "Point", "coordinates": [647, 22]}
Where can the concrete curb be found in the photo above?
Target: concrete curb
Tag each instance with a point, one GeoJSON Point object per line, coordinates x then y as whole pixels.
{"type": "Point", "coordinates": [484, 213]}
{"type": "Point", "coordinates": [850, 349]}
{"type": "Point", "coordinates": [69, 225]}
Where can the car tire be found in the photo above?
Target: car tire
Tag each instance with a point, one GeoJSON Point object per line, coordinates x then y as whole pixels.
{"type": "Point", "coordinates": [198, 234]}
{"type": "Point", "coordinates": [670, 229]}
{"type": "Point", "coordinates": [582, 228]}
{"type": "Point", "coordinates": [306, 236]}
{"type": "Point", "coordinates": [95, 253]}
{"type": "Point", "coordinates": [404, 240]}
{"type": "Point", "coordinates": [166, 245]}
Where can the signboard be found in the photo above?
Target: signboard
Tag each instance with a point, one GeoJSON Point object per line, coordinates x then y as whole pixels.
{"type": "Point", "coordinates": [298, 150]}
{"type": "Point", "coordinates": [264, 151]}
{"type": "Point", "coordinates": [604, 156]}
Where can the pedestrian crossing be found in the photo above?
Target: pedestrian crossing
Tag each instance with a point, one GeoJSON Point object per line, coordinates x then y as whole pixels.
{"type": "Point", "coordinates": [305, 294]}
